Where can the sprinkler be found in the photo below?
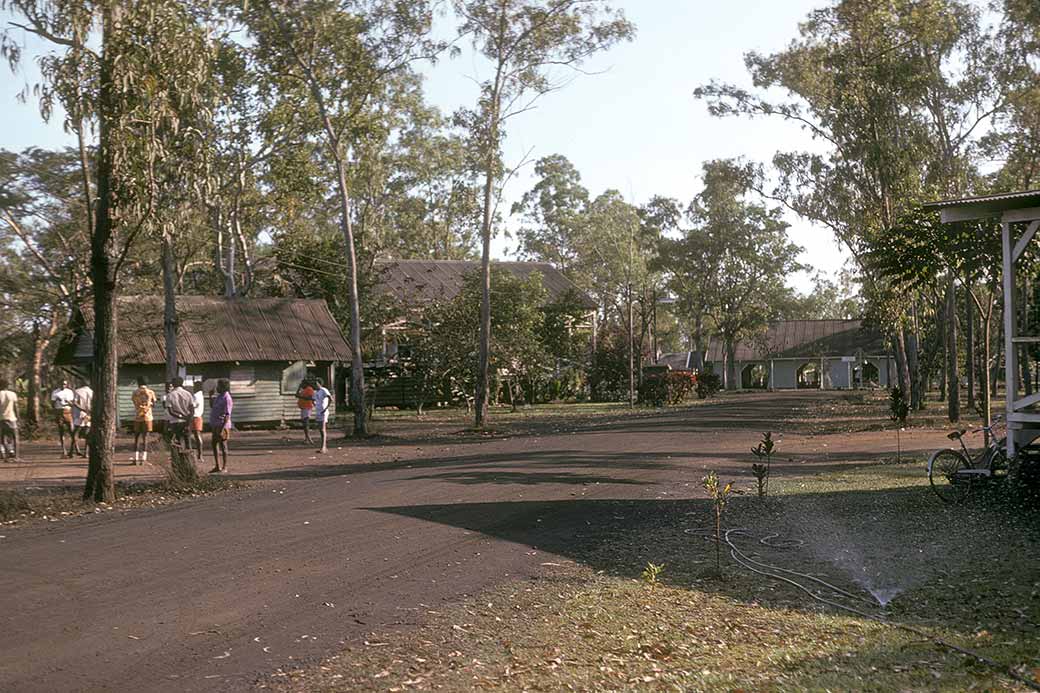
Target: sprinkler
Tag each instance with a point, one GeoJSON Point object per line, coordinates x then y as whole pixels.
{"type": "Point", "coordinates": [882, 597]}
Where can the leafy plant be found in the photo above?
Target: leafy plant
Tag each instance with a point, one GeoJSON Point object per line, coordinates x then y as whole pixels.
{"type": "Point", "coordinates": [763, 451]}
{"type": "Point", "coordinates": [719, 496]}
{"type": "Point", "coordinates": [899, 409]}
{"type": "Point", "coordinates": [651, 574]}
{"type": "Point", "coordinates": [708, 383]}
{"type": "Point", "coordinates": [680, 385]}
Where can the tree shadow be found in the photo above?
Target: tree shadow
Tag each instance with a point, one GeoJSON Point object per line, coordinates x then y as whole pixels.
{"type": "Point", "coordinates": [938, 561]}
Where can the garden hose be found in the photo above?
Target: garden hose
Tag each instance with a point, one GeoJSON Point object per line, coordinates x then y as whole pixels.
{"type": "Point", "coordinates": [772, 571]}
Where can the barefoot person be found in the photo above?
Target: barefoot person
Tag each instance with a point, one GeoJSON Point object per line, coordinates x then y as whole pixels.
{"type": "Point", "coordinates": [8, 422]}
{"type": "Point", "coordinates": [220, 424]}
{"type": "Point", "coordinates": [61, 405]}
{"type": "Point", "coordinates": [82, 400]}
{"type": "Point", "coordinates": [322, 402]}
{"type": "Point", "coordinates": [143, 400]}
{"type": "Point", "coordinates": [198, 407]}
{"type": "Point", "coordinates": [305, 401]}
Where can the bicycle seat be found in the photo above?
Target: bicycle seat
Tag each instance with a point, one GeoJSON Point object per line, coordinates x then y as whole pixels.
{"type": "Point", "coordinates": [955, 435]}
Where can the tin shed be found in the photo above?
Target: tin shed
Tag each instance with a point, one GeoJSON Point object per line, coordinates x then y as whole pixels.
{"type": "Point", "coordinates": [264, 346]}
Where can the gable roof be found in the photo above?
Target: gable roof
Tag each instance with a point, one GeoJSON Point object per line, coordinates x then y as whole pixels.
{"type": "Point", "coordinates": [217, 330]}
{"type": "Point", "coordinates": [805, 338]}
{"type": "Point", "coordinates": [678, 361]}
{"type": "Point", "coordinates": [418, 282]}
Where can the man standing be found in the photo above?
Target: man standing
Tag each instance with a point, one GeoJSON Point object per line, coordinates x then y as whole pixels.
{"type": "Point", "coordinates": [61, 405]}
{"type": "Point", "coordinates": [322, 403]}
{"type": "Point", "coordinates": [8, 422]}
{"type": "Point", "coordinates": [82, 400]}
{"type": "Point", "coordinates": [180, 409]}
{"type": "Point", "coordinates": [198, 407]}
{"type": "Point", "coordinates": [220, 424]}
{"type": "Point", "coordinates": [144, 400]}
{"type": "Point", "coordinates": [305, 401]}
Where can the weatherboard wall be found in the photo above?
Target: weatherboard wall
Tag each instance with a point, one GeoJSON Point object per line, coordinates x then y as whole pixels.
{"type": "Point", "coordinates": [270, 399]}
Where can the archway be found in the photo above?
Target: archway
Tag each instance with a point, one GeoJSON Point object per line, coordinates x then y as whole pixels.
{"type": "Point", "coordinates": [754, 376]}
{"type": "Point", "coordinates": [871, 375]}
{"type": "Point", "coordinates": [809, 376]}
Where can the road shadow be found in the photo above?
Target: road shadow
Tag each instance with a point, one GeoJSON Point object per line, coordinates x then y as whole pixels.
{"type": "Point", "coordinates": [938, 561]}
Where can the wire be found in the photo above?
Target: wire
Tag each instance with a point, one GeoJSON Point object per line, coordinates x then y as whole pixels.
{"type": "Point", "coordinates": [748, 563]}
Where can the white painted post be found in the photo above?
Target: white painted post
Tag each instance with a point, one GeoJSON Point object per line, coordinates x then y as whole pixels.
{"type": "Point", "coordinates": [1010, 357]}
{"type": "Point", "coordinates": [823, 367]}
{"type": "Point", "coordinates": [772, 382]}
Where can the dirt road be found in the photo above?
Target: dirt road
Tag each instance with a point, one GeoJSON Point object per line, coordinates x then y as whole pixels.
{"type": "Point", "coordinates": [209, 595]}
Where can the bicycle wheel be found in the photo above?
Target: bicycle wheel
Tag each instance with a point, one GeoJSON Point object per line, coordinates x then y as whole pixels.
{"type": "Point", "coordinates": [998, 462]}
{"type": "Point", "coordinates": [942, 475]}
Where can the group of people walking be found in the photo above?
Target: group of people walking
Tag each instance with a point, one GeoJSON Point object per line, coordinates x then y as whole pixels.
{"type": "Point", "coordinates": [185, 416]}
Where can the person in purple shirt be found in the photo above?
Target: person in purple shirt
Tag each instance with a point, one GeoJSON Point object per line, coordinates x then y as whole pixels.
{"type": "Point", "coordinates": [220, 424]}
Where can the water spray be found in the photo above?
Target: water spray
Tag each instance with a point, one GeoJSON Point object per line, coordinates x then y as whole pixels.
{"type": "Point", "coordinates": [882, 597]}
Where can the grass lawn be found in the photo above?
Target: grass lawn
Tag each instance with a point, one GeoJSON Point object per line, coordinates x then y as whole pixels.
{"type": "Point", "coordinates": [967, 574]}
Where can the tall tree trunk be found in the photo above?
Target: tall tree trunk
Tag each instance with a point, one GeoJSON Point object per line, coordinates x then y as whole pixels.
{"type": "Point", "coordinates": [631, 350]}
{"type": "Point", "coordinates": [100, 485]}
{"type": "Point", "coordinates": [731, 364]}
{"type": "Point", "coordinates": [229, 276]}
{"type": "Point", "coordinates": [902, 371]}
{"type": "Point", "coordinates": [913, 361]}
{"type": "Point", "coordinates": [952, 375]}
{"type": "Point", "coordinates": [484, 348]}
{"type": "Point", "coordinates": [41, 340]}
{"type": "Point", "coordinates": [169, 305]}
{"type": "Point", "coordinates": [357, 364]}
{"type": "Point", "coordinates": [988, 381]}
{"type": "Point", "coordinates": [698, 343]}
{"type": "Point", "coordinates": [969, 342]}
{"type": "Point", "coordinates": [32, 404]}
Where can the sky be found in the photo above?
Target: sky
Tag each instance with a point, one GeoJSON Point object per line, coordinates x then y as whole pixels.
{"type": "Point", "coordinates": [633, 125]}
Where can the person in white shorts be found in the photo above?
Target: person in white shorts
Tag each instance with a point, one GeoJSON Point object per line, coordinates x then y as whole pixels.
{"type": "Point", "coordinates": [8, 422]}
{"type": "Point", "coordinates": [322, 403]}
{"type": "Point", "coordinates": [82, 400]}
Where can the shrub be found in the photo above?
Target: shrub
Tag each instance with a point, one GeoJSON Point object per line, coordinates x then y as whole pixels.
{"type": "Point", "coordinates": [680, 385]}
{"type": "Point", "coordinates": [708, 383]}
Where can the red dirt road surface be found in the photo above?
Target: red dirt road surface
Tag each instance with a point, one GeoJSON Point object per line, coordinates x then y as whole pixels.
{"type": "Point", "coordinates": [210, 595]}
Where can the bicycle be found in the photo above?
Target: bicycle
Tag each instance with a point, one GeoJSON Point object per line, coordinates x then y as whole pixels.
{"type": "Point", "coordinates": [953, 474]}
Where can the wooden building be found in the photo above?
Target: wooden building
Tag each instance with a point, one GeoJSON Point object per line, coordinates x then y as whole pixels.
{"type": "Point", "coordinates": [415, 285]}
{"type": "Point", "coordinates": [1019, 217]}
{"type": "Point", "coordinates": [264, 346]}
{"type": "Point", "coordinates": [790, 354]}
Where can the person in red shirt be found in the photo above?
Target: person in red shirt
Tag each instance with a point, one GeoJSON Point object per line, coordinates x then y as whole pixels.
{"type": "Point", "coordinates": [305, 401]}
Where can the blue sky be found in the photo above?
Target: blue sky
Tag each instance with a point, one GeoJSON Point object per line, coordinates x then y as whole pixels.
{"type": "Point", "coordinates": [635, 126]}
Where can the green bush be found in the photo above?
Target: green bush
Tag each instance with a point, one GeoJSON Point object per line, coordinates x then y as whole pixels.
{"type": "Point", "coordinates": [708, 383]}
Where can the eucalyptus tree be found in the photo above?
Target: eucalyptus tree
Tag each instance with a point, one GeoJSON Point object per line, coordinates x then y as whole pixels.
{"type": "Point", "coordinates": [747, 254]}
{"type": "Point", "coordinates": [524, 41]}
{"type": "Point", "coordinates": [325, 61]}
{"type": "Point", "coordinates": [133, 71]}
{"type": "Point", "coordinates": [897, 94]}
{"type": "Point", "coordinates": [44, 237]}
{"type": "Point", "coordinates": [554, 217]}
{"type": "Point", "coordinates": [621, 266]}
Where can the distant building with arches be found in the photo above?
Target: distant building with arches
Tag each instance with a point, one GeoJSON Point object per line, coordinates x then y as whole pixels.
{"type": "Point", "coordinates": [803, 354]}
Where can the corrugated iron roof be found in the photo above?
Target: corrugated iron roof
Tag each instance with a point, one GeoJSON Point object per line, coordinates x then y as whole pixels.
{"type": "Point", "coordinates": [216, 330]}
{"type": "Point", "coordinates": [985, 199]}
{"type": "Point", "coordinates": [808, 338]}
{"type": "Point", "coordinates": [419, 282]}
{"type": "Point", "coordinates": [678, 361]}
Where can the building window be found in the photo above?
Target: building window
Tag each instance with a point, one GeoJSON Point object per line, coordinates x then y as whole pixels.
{"type": "Point", "coordinates": [243, 381]}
